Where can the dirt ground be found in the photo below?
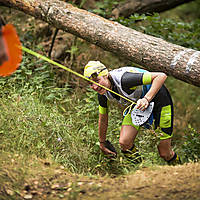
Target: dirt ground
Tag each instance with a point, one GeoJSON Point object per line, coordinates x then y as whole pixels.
{"type": "Point", "coordinates": [41, 180]}
{"type": "Point", "coordinates": [177, 183]}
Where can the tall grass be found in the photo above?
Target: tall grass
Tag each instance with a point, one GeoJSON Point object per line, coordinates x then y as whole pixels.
{"type": "Point", "coordinates": [44, 115]}
{"type": "Point", "coordinates": [61, 123]}
{"type": "Point", "coordinates": [67, 133]}
{"type": "Point", "coordinates": [39, 118]}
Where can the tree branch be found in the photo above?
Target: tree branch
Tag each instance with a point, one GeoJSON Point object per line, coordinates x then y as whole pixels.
{"type": "Point", "coordinates": [152, 53]}
{"type": "Point", "coordinates": [145, 6]}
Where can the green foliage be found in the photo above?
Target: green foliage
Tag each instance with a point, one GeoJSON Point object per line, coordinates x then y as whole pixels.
{"type": "Point", "coordinates": [189, 11]}
{"type": "Point", "coordinates": [147, 142]}
{"type": "Point", "coordinates": [176, 31]}
{"type": "Point", "coordinates": [104, 8]}
{"type": "Point", "coordinates": [34, 77]}
{"type": "Point", "coordinates": [66, 133]}
{"type": "Point", "coordinates": [190, 147]}
{"type": "Point", "coordinates": [31, 75]}
{"type": "Point", "coordinates": [64, 129]}
{"type": "Point", "coordinates": [39, 118]}
{"type": "Point", "coordinates": [186, 104]}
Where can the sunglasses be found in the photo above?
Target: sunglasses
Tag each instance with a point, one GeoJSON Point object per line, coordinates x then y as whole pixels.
{"type": "Point", "coordinates": [95, 74]}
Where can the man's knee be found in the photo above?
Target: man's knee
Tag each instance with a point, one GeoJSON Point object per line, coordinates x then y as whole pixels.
{"type": "Point", "coordinates": [125, 144]}
{"type": "Point", "coordinates": [166, 155]}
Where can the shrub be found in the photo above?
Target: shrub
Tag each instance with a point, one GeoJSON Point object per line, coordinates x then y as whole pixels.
{"type": "Point", "coordinates": [190, 147]}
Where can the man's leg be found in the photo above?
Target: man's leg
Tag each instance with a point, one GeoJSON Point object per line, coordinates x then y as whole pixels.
{"type": "Point", "coordinates": [166, 152]}
{"type": "Point", "coordinates": [127, 136]}
{"type": "Point", "coordinates": [165, 149]}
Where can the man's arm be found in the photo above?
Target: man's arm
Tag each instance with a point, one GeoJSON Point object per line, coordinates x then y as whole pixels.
{"type": "Point", "coordinates": [157, 80]}
{"type": "Point", "coordinates": [103, 125]}
{"type": "Point", "coordinates": [131, 80]}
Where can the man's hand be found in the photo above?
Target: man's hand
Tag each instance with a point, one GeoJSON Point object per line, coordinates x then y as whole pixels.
{"type": "Point", "coordinates": [142, 104]}
{"type": "Point", "coordinates": [108, 148]}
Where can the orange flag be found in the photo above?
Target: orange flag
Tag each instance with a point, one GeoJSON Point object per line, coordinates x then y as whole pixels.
{"type": "Point", "coordinates": [13, 49]}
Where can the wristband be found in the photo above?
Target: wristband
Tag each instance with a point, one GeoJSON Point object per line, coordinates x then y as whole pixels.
{"type": "Point", "coordinates": [146, 99]}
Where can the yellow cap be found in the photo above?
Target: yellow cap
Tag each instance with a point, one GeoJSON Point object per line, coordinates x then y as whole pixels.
{"type": "Point", "coordinates": [95, 68]}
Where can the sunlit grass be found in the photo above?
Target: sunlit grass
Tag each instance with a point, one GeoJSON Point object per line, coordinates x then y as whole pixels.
{"type": "Point", "coordinates": [69, 135]}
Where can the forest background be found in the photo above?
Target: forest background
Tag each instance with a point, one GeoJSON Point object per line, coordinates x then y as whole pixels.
{"type": "Point", "coordinates": [50, 116]}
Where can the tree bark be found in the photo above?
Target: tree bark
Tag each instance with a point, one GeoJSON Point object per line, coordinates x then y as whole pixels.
{"type": "Point", "coordinates": [152, 53]}
{"type": "Point", "coordinates": [145, 6]}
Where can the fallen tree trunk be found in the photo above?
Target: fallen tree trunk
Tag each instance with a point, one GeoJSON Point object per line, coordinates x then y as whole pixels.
{"type": "Point", "coordinates": [130, 7]}
{"type": "Point", "coordinates": [152, 53]}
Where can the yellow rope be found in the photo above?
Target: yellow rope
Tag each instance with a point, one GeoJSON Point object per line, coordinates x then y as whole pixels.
{"type": "Point", "coordinates": [77, 74]}
{"type": "Point", "coordinates": [128, 108]}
